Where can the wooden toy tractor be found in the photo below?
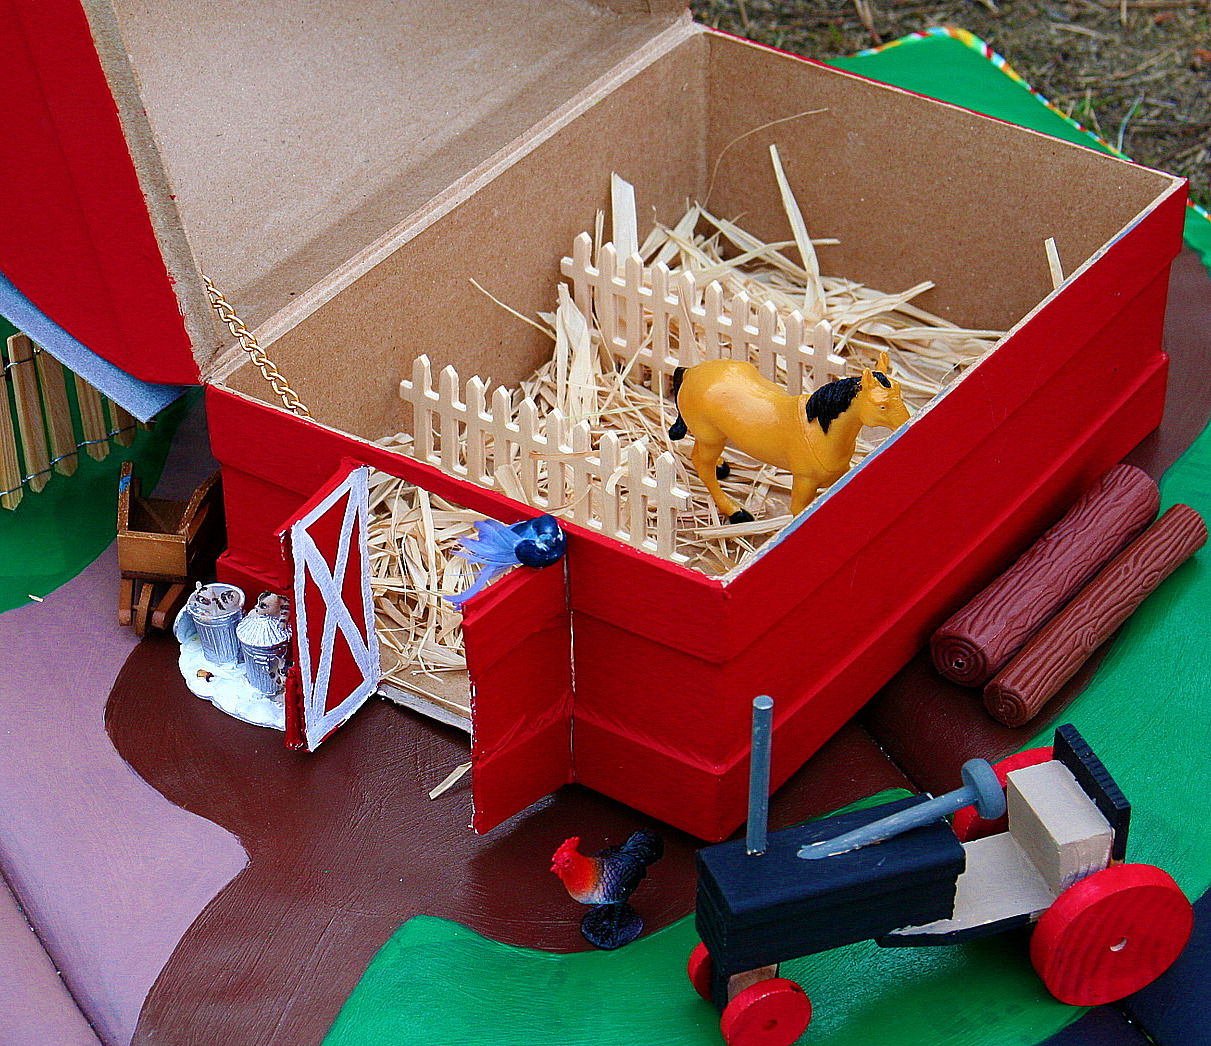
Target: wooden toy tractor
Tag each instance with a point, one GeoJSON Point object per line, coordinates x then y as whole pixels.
{"type": "Point", "coordinates": [1104, 929]}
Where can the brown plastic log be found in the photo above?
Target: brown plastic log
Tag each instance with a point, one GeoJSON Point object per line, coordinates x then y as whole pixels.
{"type": "Point", "coordinates": [1047, 662]}
{"type": "Point", "coordinates": [980, 639]}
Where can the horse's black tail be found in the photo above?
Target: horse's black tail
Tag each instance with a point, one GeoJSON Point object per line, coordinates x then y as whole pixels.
{"type": "Point", "coordinates": [678, 429]}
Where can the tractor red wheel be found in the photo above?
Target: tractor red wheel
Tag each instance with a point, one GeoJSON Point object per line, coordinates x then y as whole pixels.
{"type": "Point", "coordinates": [968, 824]}
{"type": "Point", "coordinates": [700, 967]}
{"type": "Point", "coordinates": [774, 1012]}
{"type": "Point", "coordinates": [1111, 934]}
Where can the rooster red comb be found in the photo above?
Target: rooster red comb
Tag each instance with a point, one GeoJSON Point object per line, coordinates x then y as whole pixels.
{"type": "Point", "coordinates": [564, 854]}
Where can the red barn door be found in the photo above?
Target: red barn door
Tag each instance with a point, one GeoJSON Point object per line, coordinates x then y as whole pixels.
{"type": "Point", "coordinates": [336, 648]}
{"type": "Point", "coordinates": [518, 639]}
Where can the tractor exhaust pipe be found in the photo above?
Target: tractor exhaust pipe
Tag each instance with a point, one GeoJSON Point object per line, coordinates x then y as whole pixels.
{"type": "Point", "coordinates": [758, 774]}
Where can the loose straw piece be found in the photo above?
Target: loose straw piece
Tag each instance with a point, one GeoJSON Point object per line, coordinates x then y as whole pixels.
{"type": "Point", "coordinates": [626, 222]}
{"type": "Point", "coordinates": [813, 293]}
{"type": "Point", "coordinates": [451, 779]}
{"type": "Point", "coordinates": [1053, 262]}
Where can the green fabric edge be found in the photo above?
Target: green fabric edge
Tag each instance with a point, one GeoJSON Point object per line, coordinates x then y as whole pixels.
{"type": "Point", "coordinates": [56, 533]}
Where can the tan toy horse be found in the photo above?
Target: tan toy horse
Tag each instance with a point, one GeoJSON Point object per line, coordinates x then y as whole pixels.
{"type": "Point", "coordinates": [812, 437]}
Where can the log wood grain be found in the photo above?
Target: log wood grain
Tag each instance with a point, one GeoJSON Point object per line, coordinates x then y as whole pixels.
{"type": "Point", "coordinates": [981, 638]}
{"type": "Point", "coordinates": [1015, 696]}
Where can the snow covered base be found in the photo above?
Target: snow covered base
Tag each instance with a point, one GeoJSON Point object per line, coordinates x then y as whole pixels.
{"type": "Point", "coordinates": [228, 689]}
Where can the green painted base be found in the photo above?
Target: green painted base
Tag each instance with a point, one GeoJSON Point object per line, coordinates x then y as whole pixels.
{"type": "Point", "coordinates": [53, 535]}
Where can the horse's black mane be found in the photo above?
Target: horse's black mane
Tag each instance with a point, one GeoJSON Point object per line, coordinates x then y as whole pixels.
{"type": "Point", "coordinates": [830, 401]}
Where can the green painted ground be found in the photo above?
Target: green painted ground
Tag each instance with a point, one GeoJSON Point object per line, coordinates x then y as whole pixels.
{"type": "Point", "coordinates": [52, 535]}
{"type": "Point", "coordinates": [442, 984]}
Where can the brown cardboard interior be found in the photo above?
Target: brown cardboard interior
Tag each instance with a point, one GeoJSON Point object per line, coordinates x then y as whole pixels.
{"type": "Point", "coordinates": [913, 189]}
{"type": "Point", "coordinates": [291, 135]}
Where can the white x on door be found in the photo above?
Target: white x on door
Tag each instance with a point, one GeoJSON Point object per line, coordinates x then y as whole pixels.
{"type": "Point", "coordinates": [334, 612]}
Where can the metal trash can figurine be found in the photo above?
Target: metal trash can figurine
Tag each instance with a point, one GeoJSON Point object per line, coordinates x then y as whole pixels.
{"type": "Point", "coordinates": [215, 610]}
{"type": "Point", "coordinates": [264, 637]}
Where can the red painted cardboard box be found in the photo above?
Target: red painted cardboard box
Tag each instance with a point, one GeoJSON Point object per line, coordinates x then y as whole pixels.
{"type": "Point", "coordinates": [343, 170]}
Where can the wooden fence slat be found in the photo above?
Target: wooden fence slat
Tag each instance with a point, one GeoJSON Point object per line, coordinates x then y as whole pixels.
{"type": "Point", "coordinates": [448, 409]}
{"type": "Point", "coordinates": [667, 505]}
{"type": "Point", "coordinates": [585, 495]}
{"type": "Point", "coordinates": [58, 413]}
{"type": "Point", "coordinates": [608, 455]}
{"type": "Point", "coordinates": [92, 420]}
{"type": "Point", "coordinates": [637, 507]}
{"type": "Point", "coordinates": [767, 340]}
{"type": "Point", "coordinates": [799, 377]}
{"type": "Point", "coordinates": [478, 427]}
{"type": "Point", "coordinates": [29, 411]}
{"type": "Point", "coordinates": [123, 432]}
{"type": "Point", "coordinates": [551, 458]}
{"type": "Point", "coordinates": [502, 438]}
{"type": "Point", "coordinates": [710, 316]}
{"type": "Point", "coordinates": [420, 389]}
{"type": "Point", "coordinates": [581, 266]}
{"type": "Point", "coordinates": [606, 299]}
{"type": "Point", "coordinates": [635, 297]}
{"type": "Point", "coordinates": [11, 489]}
{"type": "Point", "coordinates": [528, 442]}
{"type": "Point", "coordinates": [661, 350]}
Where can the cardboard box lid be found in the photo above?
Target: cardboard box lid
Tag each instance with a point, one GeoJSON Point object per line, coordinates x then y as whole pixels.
{"type": "Point", "coordinates": [264, 145]}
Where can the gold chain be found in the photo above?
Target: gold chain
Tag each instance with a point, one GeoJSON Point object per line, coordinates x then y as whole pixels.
{"type": "Point", "coordinates": [249, 344]}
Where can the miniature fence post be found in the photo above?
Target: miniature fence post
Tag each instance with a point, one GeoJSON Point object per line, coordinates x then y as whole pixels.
{"type": "Point", "coordinates": [29, 411]}
{"type": "Point", "coordinates": [418, 393]}
{"type": "Point", "coordinates": [11, 491]}
{"type": "Point", "coordinates": [605, 299]}
{"type": "Point", "coordinates": [661, 350]}
{"type": "Point", "coordinates": [58, 414]}
{"type": "Point", "coordinates": [797, 381]}
{"type": "Point", "coordinates": [633, 302]}
{"type": "Point", "coordinates": [609, 456]}
{"type": "Point", "coordinates": [667, 505]}
{"type": "Point", "coordinates": [766, 339]}
{"type": "Point", "coordinates": [827, 365]}
{"type": "Point", "coordinates": [448, 409]}
{"type": "Point", "coordinates": [123, 429]}
{"type": "Point", "coordinates": [712, 320]}
{"type": "Point", "coordinates": [582, 265]}
{"type": "Point", "coordinates": [583, 506]}
{"type": "Point", "coordinates": [502, 434]}
{"type": "Point", "coordinates": [556, 461]}
{"type": "Point", "coordinates": [478, 426]}
{"type": "Point", "coordinates": [92, 420]}
{"type": "Point", "coordinates": [636, 457]}
{"type": "Point", "coordinates": [528, 442]}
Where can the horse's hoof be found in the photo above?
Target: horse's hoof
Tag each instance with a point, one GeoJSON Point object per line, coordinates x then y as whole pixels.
{"type": "Point", "coordinates": [741, 515]}
{"type": "Point", "coordinates": [723, 470]}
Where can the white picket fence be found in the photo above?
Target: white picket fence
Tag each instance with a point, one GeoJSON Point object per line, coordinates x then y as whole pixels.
{"type": "Point", "coordinates": [547, 461]}
{"type": "Point", "coordinates": [636, 307]}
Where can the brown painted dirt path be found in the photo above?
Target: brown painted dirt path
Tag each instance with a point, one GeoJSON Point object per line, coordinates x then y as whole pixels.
{"type": "Point", "coordinates": [345, 846]}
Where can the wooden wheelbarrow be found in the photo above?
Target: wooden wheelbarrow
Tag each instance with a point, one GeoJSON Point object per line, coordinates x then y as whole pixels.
{"type": "Point", "coordinates": [163, 548]}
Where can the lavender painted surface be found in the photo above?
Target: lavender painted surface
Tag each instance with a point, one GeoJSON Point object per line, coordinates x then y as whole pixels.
{"type": "Point", "coordinates": [35, 1007]}
{"type": "Point", "coordinates": [110, 872]}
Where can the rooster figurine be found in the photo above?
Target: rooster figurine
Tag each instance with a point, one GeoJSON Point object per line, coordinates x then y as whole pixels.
{"type": "Point", "coordinates": [605, 880]}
